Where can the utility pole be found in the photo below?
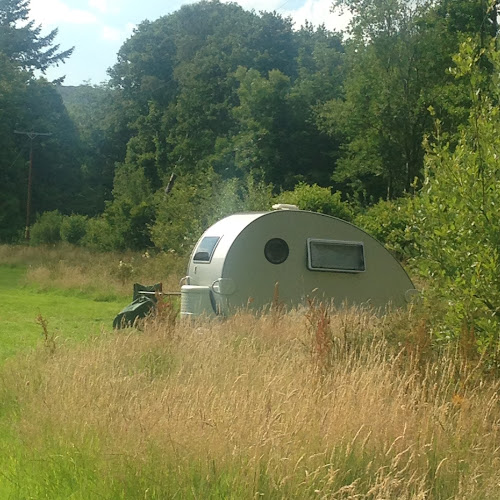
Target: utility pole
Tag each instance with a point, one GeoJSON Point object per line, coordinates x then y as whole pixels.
{"type": "Point", "coordinates": [31, 136]}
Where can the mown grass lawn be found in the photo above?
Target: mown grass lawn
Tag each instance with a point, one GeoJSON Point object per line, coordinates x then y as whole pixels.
{"type": "Point", "coordinates": [69, 315]}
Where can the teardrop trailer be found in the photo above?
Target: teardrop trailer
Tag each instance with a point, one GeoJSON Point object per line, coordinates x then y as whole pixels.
{"type": "Point", "coordinates": [241, 261]}
{"type": "Point", "coordinates": [244, 260]}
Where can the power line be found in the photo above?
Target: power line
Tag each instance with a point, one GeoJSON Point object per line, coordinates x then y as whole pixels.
{"type": "Point", "coordinates": [282, 5]}
{"type": "Point", "coordinates": [19, 153]}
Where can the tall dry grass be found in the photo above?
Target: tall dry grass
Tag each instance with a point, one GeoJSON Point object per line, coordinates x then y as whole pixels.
{"type": "Point", "coordinates": [309, 404]}
{"type": "Point", "coordinates": [74, 268]}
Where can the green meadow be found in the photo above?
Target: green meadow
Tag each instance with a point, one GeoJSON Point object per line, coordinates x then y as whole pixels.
{"type": "Point", "coordinates": [69, 315]}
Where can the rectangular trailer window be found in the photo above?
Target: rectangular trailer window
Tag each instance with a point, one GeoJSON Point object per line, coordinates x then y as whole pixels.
{"type": "Point", "coordinates": [337, 256]}
{"type": "Point", "coordinates": [206, 249]}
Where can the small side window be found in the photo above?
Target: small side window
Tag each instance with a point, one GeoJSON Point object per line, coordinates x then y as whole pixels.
{"type": "Point", "coordinates": [332, 255]}
{"type": "Point", "coordinates": [276, 251]}
{"type": "Point", "coordinates": [206, 249]}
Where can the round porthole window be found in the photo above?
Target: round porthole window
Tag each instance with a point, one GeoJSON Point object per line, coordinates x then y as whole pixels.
{"type": "Point", "coordinates": [276, 251]}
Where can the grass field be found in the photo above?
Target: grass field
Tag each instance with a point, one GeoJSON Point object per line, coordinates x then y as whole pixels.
{"type": "Point", "coordinates": [76, 291]}
{"type": "Point", "coordinates": [314, 403]}
{"type": "Point", "coordinates": [68, 316]}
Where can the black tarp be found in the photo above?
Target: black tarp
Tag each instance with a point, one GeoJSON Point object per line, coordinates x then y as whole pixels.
{"type": "Point", "coordinates": [143, 303]}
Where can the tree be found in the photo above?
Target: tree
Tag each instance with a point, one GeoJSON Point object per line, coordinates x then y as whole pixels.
{"type": "Point", "coordinates": [398, 58]}
{"type": "Point", "coordinates": [12, 98]}
{"type": "Point", "coordinates": [459, 208]}
{"type": "Point", "coordinates": [263, 115]}
{"type": "Point", "coordinates": [56, 175]}
{"type": "Point", "coordinates": [321, 75]}
{"type": "Point", "coordinates": [21, 40]}
{"type": "Point", "coordinates": [226, 38]}
{"type": "Point", "coordinates": [178, 77]}
{"type": "Point", "coordinates": [383, 113]}
{"type": "Point", "coordinates": [446, 25]}
{"type": "Point", "coordinates": [101, 116]}
{"type": "Point", "coordinates": [57, 179]}
{"type": "Point", "coordinates": [26, 104]}
{"type": "Point", "coordinates": [317, 199]}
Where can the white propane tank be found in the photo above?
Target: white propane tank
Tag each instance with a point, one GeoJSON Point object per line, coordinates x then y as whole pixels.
{"type": "Point", "coordinates": [196, 301]}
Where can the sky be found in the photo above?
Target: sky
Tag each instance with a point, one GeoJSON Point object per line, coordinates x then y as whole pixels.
{"type": "Point", "coordinates": [98, 28]}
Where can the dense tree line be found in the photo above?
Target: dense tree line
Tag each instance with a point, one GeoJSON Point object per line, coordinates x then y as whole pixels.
{"type": "Point", "coordinates": [239, 105]}
{"type": "Point", "coordinates": [30, 104]}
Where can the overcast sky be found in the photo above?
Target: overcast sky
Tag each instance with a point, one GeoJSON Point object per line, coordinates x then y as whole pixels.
{"type": "Point", "coordinates": [98, 28]}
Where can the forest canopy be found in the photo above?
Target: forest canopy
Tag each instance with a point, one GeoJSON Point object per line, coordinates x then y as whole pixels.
{"type": "Point", "coordinates": [241, 108]}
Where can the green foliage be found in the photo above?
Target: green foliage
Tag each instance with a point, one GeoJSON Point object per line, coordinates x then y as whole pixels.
{"type": "Point", "coordinates": [381, 116]}
{"type": "Point", "coordinates": [225, 199]}
{"type": "Point", "coordinates": [102, 235]}
{"type": "Point", "coordinates": [458, 212]}
{"type": "Point", "coordinates": [257, 195]}
{"type": "Point", "coordinates": [47, 228]}
{"type": "Point", "coordinates": [21, 40]}
{"type": "Point", "coordinates": [312, 153]}
{"type": "Point", "coordinates": [101, 118]}
{"type": "Point", "coordinates": [73, 228]}
{"type": "Point", "coordinates": [12, 173]}
{"type": "Point", "coordinates": [196, 203]}
{"type": "Point", "coordinates": [235, 195]}
{"type": "Point", "coordinates": [178, 217]}
{"type": "Point", "coordinates": [317, 199]}
{"type": "Point", "coordinates": [212, 87]}
{"type": "Point", "coordinates": [397, 61]}
{"type": "Point", "coordinates": [390, 222]}
{"type": "Point", "coordinates": [132, 210]}
{"type": "Point", "coordinates": [241, 104]}
{"type": "Point", "coordinates": [56, 174]}
{"type": "Point", "coordinates": [32, 104]}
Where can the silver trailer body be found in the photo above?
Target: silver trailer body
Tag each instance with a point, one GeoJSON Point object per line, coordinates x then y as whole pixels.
{"type": "Point", "coordinates": [243, 260]}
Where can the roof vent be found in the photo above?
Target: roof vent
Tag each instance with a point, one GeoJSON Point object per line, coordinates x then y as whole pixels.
{"type": "Point", "coordinates": [285, 206]}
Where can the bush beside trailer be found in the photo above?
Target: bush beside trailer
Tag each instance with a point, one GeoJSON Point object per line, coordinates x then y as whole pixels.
{"type": "Point", "coordinates": [244, 259]}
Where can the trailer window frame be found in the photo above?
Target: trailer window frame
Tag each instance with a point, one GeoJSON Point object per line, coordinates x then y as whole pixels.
{"type": "Point", "coordinates": [209, 250]}
{"type": "Point", "coordinates": [336, 266]}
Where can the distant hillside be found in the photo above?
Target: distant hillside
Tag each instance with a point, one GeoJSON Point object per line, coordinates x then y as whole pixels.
{"type": "Point", "coordinates": [75, 96]}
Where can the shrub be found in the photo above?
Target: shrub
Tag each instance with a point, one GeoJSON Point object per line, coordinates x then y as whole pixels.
{"type": "Point", "coordinates": [458, 212]}
{"type": "Point", "coordinates": [317, 199]}
{"type": "Point", "coordinates": [47, 229]}
{"type": "Point", "coordinates": [257, 195]}
{"type": "Point", "coordinates": [390, 223]}
{"type": "Point", "coordinates": [238, 195]}
{"type": "Point", "coordinates": [225, 199]}
{"type": "Point", "coordinates": [195, 204]}
{"type": "Point", "coordinates": [73, 228]}
{"type": "Point", "coordinates": [11, 220]}
{"type": "Point", "coordinates": [101, 235]}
